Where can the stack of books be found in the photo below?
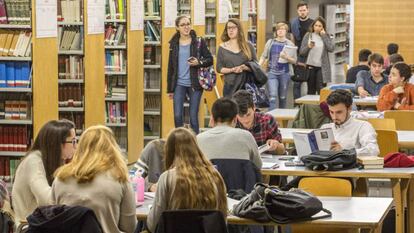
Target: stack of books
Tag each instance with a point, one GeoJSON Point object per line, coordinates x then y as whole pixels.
{"type": "Point", "coordinates": [371, 162]}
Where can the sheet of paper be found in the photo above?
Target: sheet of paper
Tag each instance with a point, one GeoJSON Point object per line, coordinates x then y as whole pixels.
{"type": "Point", "coordinates": [149, 195]}
{"type": "Point", "coordinates": [291, 51]}
{"type": "Point", "coordinates": [137, 15]}
{"type": "Point", "coordinates": [45, 26]}
{"type": "Point", "coordinates": [199, 12]}
{"type": "Point", "coordinates": [245, 10]}
{"type": "Point", "coordinates": [231, 202]}
{"type": "Point", "coordinates": [262, 9]}
{"type": "Point", "coordinates": [269, 165]}
{"type": "Point", "coordinates": [169, 18]}
{"type": "Point", "coordinates": [96, 16]}
{"type": "Point", "coordinates": [223, 11]}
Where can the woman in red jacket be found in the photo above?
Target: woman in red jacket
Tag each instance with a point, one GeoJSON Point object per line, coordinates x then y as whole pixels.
{"type": "Point", "coordinates": [398, 94]}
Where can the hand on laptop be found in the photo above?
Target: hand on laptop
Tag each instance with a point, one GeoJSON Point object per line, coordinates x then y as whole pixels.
{"type": "Point", "coordinates": [335, 146]}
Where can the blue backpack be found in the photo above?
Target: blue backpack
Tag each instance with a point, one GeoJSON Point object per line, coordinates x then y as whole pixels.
{"type": "Point", "coordinates": [206, 75]}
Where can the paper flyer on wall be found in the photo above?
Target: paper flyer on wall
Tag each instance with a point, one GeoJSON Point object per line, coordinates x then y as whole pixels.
{"type": "Point", "coordinates": [137, 15]}
{"type": "Point", "coordinates": [44, 26]}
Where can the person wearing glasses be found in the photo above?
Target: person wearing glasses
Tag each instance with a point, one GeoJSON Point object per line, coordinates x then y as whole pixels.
{"type": "Point", "coordinates": [54, 145]}
{"type": "Point", "coordinates": [232, 55]}
{"type": "Point", "coordinates": [97, 178]}
{"type": "Point", "coordinates": [187, 53]}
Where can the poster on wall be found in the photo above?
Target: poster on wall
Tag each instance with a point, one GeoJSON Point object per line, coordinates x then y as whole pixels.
{"type": "Point", "coordinates": [199, 12]}
{"type": "Point", "coordinates": [171, 7]}
{"type": "Point", "coordinates": [245, 10]}
{"type": "Point", "coordinates": [96, 16]}
{"type": "Point", "coordinates": [137, 15]}
{"type": "Point", "coordinates": [223, 11]}
{"type": "Point", "coordinates": [44, 26]}
{"type": "Point", "coordinates": [262, 9]}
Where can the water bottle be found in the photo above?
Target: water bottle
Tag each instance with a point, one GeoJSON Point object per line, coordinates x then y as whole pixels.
{"type": "Point", "coordinates": [140, 187]}
{"type": "Point", "coordinates": [133, 181]}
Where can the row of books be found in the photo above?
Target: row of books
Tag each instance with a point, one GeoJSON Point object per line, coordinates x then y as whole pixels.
{"type": "Point", "coordinates": [121, 135]}
{"type": "Point", "coordinates": [14, 138]}
{"type": "Point", "coordinates": [115, 34]}
{"type": "Point", "coordinates": [15, 43]}
{"type": "Point", "coordinates": [70, 67]}
{"type": "Point", "coordinates": [210, 6]}
{"type": "Point", "coordinates": [69, 11]}
{"type": "Point", "coordinates": [15, 74]}
{"type": "Point", "coordinates": [8, 166]}
{"type": "Point", "coordinates": [76, 117]}
{"type": "Point", "coordinates": [252, 38]}
{"type": "Point", "coordinates": [152, 55]}
{"type": "Point", "coordinates": [210, 26]}
{"type": "Point", "coordinates": [115, 86]}
{"type": "Point", "coordinates": [70, 38]}
{"type": "Point", "coordinates": [152, 79]}
{"type": "Point", "coordinates": [252, 5]}
{"type": "Point", "coordinates": [15, 11]}
{"type": "Point", "coordinates": [115, 61]}
{"type": "Point", "coordinates": [115, 9]}
{"type": "Point", "coordinates": [152, 102]}
{"type": "Point", "coordinates": [70, 95]}
{"type": "Point", "coordinates": [184, 7]}
{"type": "Point", "coordinates": [15, 109]}
{"type": "Point", "coordinates": [152, 125]}
{"type": "Point", "coordinates": [152, 31]}
{"type": "Point", "coordinates": [116, 112]}
{"type": "Point", "coordinates": [252, 22]}
{"type": "Point", "coordinates": [152, 7]}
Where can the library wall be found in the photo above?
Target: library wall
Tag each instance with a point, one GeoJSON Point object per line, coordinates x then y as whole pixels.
{"type": "Point", "coordinates": [379, 22]}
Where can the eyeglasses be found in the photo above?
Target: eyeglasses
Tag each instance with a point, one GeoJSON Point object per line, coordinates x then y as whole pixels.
{"type": "Point", "coordinates": [184, 25]}
{"type": "Point", "coordinates": [74, 141]}
{"type": "Point", "coordinates": [231, 28]}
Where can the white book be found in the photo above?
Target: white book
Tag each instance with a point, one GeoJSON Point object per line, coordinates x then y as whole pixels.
{"type": "Point", "coordinates": [26, 46]}
{"type": "Point", "coordinates": [76, 42]}
{"type": "Point", "coordinates": [119, 32]}
{"type": "Point", "coordinates": [77, 10]}
{"type": "Point", "coordinates": [316, 140]}
{"type": "Point", "coordinates": [19, 44]}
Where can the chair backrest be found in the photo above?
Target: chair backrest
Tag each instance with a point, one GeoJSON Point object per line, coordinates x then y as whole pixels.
{"type": "Point", "coordinates": [382, 123]}
{"type": "Point", "coordinates": [346, 68]}
{"type": "Point", "coordinates": [323, 94]}
{"type": "Point", "coordinates": [238, 173]}
{"type": "Point", "coordinates": [403, 119]}
{"type": "Point", "coordinates": [326, 186]}
{"type": "Point", "coordinates": [191, 221]}
{"type": "Point", "coordinates": [387, 141]}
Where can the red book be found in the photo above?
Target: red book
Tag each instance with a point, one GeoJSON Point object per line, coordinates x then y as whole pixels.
{"type": "Point", "coordinates": [6, 166]}
{"type": "Point", "coordinates": [1, 138]}
{"type": "Point", "coordinates": [6, 138]}
{"type": "Point", "coordinates": [15, 136]}
{"type": "Point", "coordinates": [2, 172]}
{"type": "Point", "coordinates": [3, 12]}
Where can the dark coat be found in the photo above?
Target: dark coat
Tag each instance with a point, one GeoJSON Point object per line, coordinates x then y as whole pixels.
{"type": "Point", "coordinates": [63, 219]}
{"type": "Point", "coordinates": [257, 74]}
{"type": "Point", "coordinates": [205, 60]}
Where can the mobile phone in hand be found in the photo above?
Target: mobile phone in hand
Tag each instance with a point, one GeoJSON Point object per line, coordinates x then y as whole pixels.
{"type": "Point", "coordinates": [191, 59]}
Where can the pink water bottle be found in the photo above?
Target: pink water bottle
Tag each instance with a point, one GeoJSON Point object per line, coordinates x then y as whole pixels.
{"type": "Point", "coordinates": [139, 193]}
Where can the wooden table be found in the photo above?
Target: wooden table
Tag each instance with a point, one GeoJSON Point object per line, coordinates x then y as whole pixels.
{"type": "Point", "coordinates": [314, 99]}
{"type": "Point", "coordinates": [284, 115]}
{"type": "Point", "coordinates": [405, 138]}
{"type": "Point", "coordinates": [347, 212]}
{"type": "Point", "coordinates": [401, 179]}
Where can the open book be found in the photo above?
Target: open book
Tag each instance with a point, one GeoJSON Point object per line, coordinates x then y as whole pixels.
{"type": "Point", "coordinates": [318, 139]}
{"type": "Point", "coordinates": [291, 51]}
{"type": "Point", "coordinates": [263, 148]}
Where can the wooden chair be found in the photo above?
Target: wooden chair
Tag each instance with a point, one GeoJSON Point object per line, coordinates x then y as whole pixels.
{"type": "Point", "coordinates": [387, 141]}
{"type": "Point", "coordinates": [346, 68]}
{"type": "Point", "coordinates": [323, 94]}
{"type": "Point", "coordinates": [382, 123]}
{"type": "Point", "coordinates": [403, 119]}
{"type": "Point", "coordinates": [324, 186]}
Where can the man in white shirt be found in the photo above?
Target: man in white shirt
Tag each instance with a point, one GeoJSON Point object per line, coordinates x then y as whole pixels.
{"type": "Point", "coordinates": [350, 132]}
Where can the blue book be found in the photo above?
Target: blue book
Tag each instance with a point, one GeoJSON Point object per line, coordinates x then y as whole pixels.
{"type": "Point", "coordinates": [3, 74]}
{"type": "Point", "coordinates": [25, 73]}
{"type": "Point", "coordinates": [18, 74]}
{"type": "Point", "coordinates": [10, 74]}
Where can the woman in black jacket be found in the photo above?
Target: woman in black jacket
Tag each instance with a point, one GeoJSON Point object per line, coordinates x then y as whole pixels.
{"type": "Point", "coordinates": [187, 54]}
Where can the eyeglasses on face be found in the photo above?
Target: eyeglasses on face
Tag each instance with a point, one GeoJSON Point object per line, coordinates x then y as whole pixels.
{"type": "Point", "coordinates": [231, 28]}
{"type": "Point", "coordinates": [74, 141]}
{"type": "Point", "coordinates": [184, 25]}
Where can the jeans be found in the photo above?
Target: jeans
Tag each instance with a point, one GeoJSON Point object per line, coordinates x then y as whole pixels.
{"type": "Point", "coordinates": [315, 81]}
{"type": "Point", "coordinates": [180, 94]}
{"type": "Point", "coordinates": [278, 88]}
{"type": "Point", "coordinates": [297, 90]}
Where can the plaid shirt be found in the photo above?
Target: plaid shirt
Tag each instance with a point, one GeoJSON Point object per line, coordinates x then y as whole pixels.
{"type": "Point", "coordinates": [264, 128]}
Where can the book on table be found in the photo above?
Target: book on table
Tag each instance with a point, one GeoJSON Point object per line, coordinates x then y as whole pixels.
{"type": "Point", "coordinates": [316, 140]}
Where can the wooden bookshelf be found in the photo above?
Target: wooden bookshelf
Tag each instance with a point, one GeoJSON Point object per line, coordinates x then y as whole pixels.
{"type": "Point", "coordinates": [261, 27]}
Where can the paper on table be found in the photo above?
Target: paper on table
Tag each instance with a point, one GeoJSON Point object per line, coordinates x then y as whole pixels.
{"type": "Point", "coordinates": [96, 16]}
{"type": "Point", "coordinates": [200, 16]}
{"type": "Point", "coordinates": [290, 51]}
{"type": "Point", "coordinates": [223, 11]}
{"type": "Point", "coordinates": [137, 15]}
{"type": "Point", "coordinates": [171, 5]}
{"type": "Point", "coordinates": [270, 165]}
{"type": "Point", "coordinates": [44, 26]}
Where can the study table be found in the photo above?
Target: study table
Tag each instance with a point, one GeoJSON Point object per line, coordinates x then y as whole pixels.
{"type": "Point", "coordinates": [314, 99]}
{"type": "Point", "coordinates": [401, 180]}
{"type": "Point", "coordinates": [347, 212]}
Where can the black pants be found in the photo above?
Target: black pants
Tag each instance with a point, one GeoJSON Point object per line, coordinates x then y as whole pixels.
{"type": "Point", "coordinates": [315, 80]}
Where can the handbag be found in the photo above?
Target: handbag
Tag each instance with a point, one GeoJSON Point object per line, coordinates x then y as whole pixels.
{"type": "Point", "coordinates": [301, 74]}
{"type": "Point", "coordinates": [330, 160]}
{"type": "Point", "coordinates": [206, 75]}
{"type": "Point", "coordinates": [260, 98]}
{"type": "Point", "coordinates": [269, 203]}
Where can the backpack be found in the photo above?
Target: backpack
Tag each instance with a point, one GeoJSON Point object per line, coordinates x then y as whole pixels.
{"type": "Point", "coordinates": [330, 160]}
{"type": "Point", "coordinates": [206, 75]}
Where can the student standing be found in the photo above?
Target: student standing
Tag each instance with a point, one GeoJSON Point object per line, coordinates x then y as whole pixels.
{"type": "Point", "coordinates": [316, 45]}
{"type": "Point", "coordinates": [55, 144]}
{"type": "Point", "coordinates": [232, 55]}
{"type": "Point", "coordinates": [97, 178]}
{"type": "Point", "coordinates": [184, 60]}
{"type": "Point", "coordinates": [278, 73]}
{"type": "Point", "coordinates": [190, 178]}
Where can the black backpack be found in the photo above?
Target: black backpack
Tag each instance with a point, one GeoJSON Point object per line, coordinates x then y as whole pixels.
{"type": "Point", "coordinates": [6, 222]}
{"type": "Point", "coordinates": [330, 160]}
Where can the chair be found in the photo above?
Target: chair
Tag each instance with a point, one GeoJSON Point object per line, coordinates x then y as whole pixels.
{"type": "Point", "coordinates": [382, 123]}
{"type": "Point", "coordinates": [323, 94]}
{"type": "Point", "coordinates": [387, 141]}
{"type": "Point", "coordinates": [324, 186]}
{"type": "Point", "coordinates": [346, 68]}
{"type": "Point", "coordinates": [191, 221]}
{"type": "Point", "coordinates": [403, 119]}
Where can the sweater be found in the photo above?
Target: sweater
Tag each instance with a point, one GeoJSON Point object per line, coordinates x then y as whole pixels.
{"type": "Point", "coordinates": [268, 46]}
{"type": "Point", "coordinates": [113, 202]}
{"type": "Point", "coordinates": [226, 142]}
{"type": "Point", "coordinates": [356, 134]}
{"type": "Point", "coordinates": [30, 187]}
{"type": "Point", "coordinates": [388, 98]}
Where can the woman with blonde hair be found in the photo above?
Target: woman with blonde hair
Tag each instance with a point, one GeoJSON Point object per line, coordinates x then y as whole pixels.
{"type": "Point", "coordinates": [232, 55]}
{"type": "Point", "coordinates": [190, 182]}
{"type": "Point", "coordinates": [97, 178]}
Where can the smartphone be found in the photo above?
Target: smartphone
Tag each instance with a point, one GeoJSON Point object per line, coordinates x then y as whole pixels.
{"type": "Point", "coordinates": [190, 59]}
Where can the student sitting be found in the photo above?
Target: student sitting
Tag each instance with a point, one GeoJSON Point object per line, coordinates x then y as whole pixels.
{"type": "Point", "coordinates": [97, 178]}
{"type": "Point", "coordinates": [363, 55]}
{"type": "Point", "coordinates": [55, 143]}
{"type": "Point", "coordinates": [369, 83]}
{"type": "Point", "coordinates": [399, 94]}
{"type": "Point", "coordinates": [393, 59]}
{"type": "Point", "coordinates": [262, 126]}
{"type": "Point", "coordinates": [224, 141]}
{"type": "Point", "coordinates": [349, 132]}
{"type": "Point", "coordinates": [190, 182]}
{"type": "Point", "coordinates": [151, 163]}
